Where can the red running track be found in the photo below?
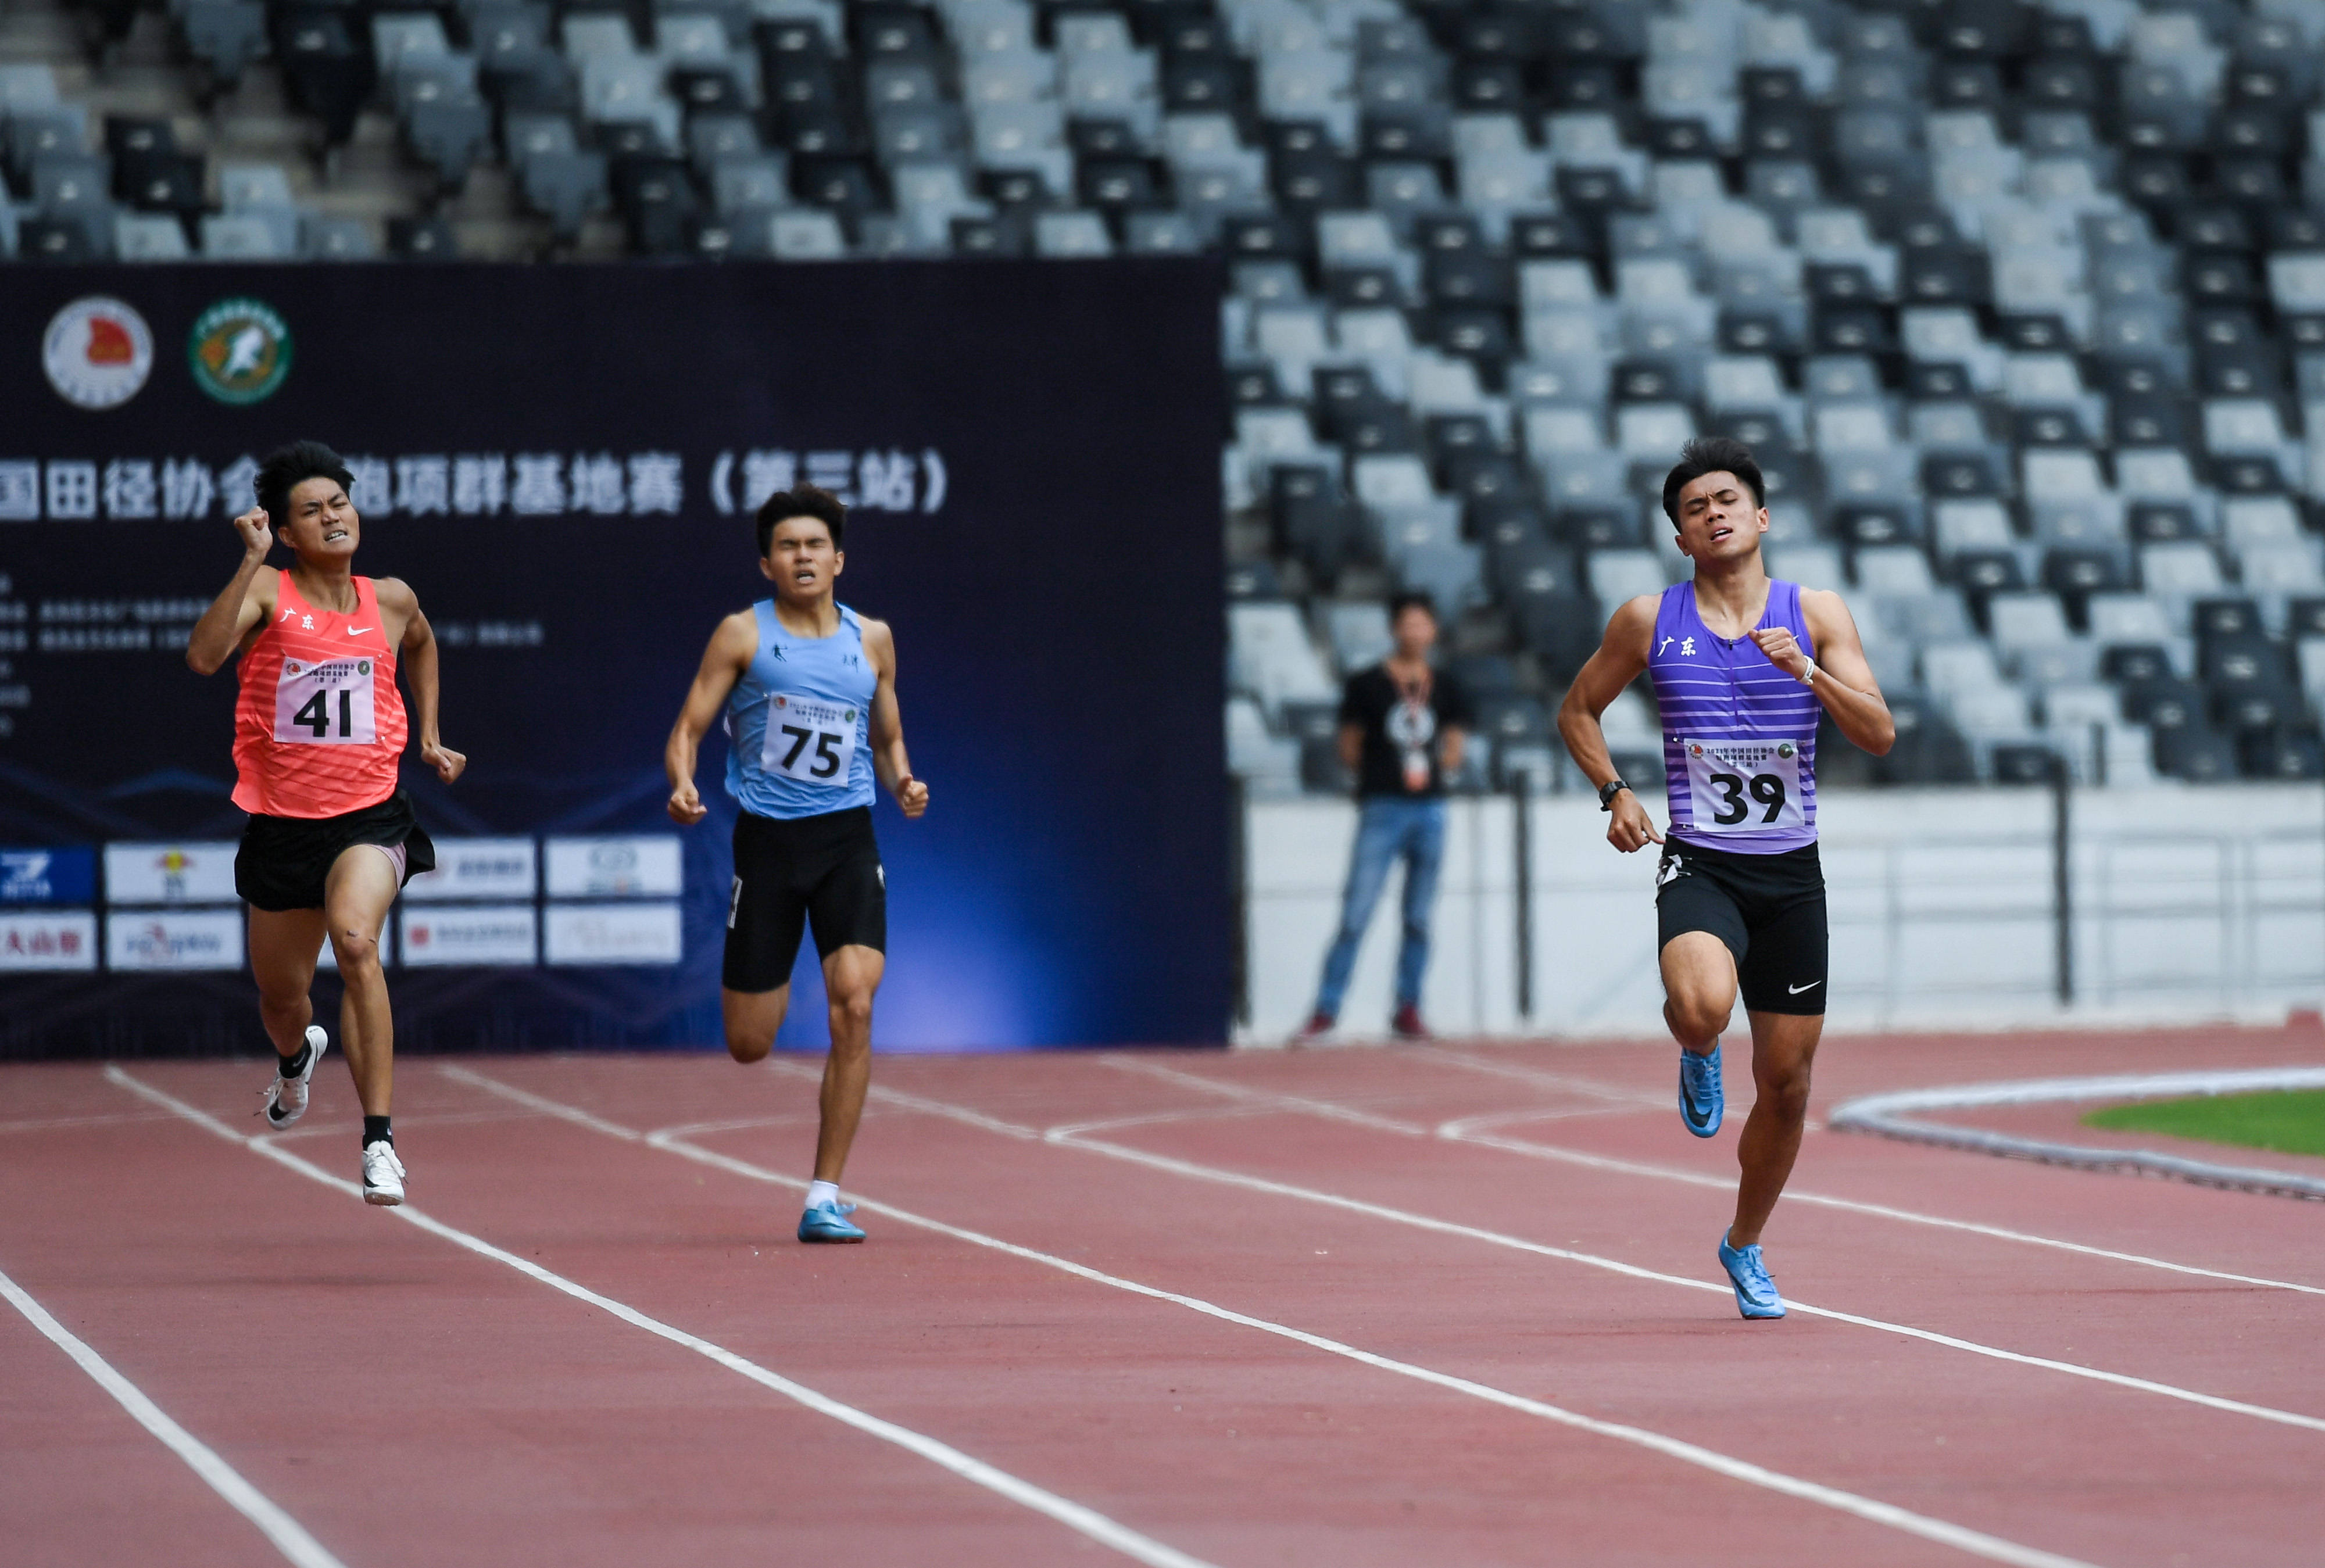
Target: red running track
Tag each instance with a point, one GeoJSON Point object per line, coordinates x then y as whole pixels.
{"type": "Point", "coordinates": [1451, 1305]}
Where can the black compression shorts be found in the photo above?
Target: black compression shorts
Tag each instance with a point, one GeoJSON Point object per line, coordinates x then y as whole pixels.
{"type": "Point", "coordinates": [793, 872]}
{"type": "Point", "coordinates": [283, 861]}
{"type": "Point", "coordinates": [1768, 908]}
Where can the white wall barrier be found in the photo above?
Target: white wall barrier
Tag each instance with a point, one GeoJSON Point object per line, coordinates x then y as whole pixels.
{"type": "Point", "coordinates": [2188, 903]}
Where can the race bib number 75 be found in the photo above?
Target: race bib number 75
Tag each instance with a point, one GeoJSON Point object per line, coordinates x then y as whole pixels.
{"type": "Point", "coordinates": [1751, 785]}
{"type": "Point", "coordinates": [809, 739]}
{"type": "Point", "coordinates": [325, 705]}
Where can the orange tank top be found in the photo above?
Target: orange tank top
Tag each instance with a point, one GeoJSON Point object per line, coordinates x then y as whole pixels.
{"type": "Point", "coordinates": [318, 728]}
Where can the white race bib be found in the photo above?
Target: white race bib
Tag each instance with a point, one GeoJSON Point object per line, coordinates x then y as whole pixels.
{"type": "Point", "coordinates": [1751, 785]}
{"type": "Point", "coordinates": [809, 739]}
{"type": "Point", "coordinates": [325, 705]}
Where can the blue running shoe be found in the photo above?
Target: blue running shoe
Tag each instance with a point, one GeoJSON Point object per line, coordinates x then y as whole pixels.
{"type": "Point", "coordinates": [1702, 1102]}
{"type": "Point", "coordinates": [1755, 1293]}
{"type": "Point", "coordinates": [828, 1223]}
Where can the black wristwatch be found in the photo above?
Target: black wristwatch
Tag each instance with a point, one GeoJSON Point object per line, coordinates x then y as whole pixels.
{"type": "Point", "coordinates": [1608, 790]}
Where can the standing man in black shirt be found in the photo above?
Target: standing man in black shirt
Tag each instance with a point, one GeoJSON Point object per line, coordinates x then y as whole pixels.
{"type": "Point", "coordinates": [1401, 726]}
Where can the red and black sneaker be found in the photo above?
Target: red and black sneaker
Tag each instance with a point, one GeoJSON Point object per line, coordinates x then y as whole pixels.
{"type": "Point", "coordinates": [1407, 1025]}
{"type": "Point", "coordinates": [1318, 1026]}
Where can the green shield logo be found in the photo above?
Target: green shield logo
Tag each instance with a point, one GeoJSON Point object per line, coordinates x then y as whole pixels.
{"type": "Point", "coordinates": [240, 351]}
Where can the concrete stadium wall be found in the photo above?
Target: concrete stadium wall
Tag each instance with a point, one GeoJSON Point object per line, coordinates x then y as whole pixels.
{"type": "Point", "coordinates": [2189, 903]}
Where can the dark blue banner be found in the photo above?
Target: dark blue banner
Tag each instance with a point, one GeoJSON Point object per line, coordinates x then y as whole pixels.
{"type": "Point", "coordinates": [562, 462]}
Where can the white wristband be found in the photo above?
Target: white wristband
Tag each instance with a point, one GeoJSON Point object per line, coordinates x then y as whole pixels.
{"type": "Point", "coordinates": [1808, 676]}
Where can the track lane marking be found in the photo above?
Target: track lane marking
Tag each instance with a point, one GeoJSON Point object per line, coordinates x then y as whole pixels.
{"type": "Point", "coordinates": [1329, 1110]}
{"type": "Point", "coordinates": [1889, 1114]}
{"type": "Point", "coordinates": [1466, 1130]}
{"type": "Point", "coordinates": [288, 1535]}
{"type": "Point", "coordinates": [1073, 1135]}
{"type": "Point", "coordinates": [50, 1123]}
{"type": "Point", "coordinates": [1074, 1516]}
{"type": "Point", "coordinates": [1976, 1543]}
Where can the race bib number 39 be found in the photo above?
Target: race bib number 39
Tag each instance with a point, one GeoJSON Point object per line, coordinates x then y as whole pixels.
{"type": "Point", "coordinates": [809, 739]}
{"type": "Point", "coordinates": [325, 705]}
{"type": "Point", "coordinates": [1745, 785]}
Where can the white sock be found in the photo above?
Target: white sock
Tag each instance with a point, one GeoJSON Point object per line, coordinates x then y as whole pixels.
{"type": "Point", "coordinates": [821, 1193]}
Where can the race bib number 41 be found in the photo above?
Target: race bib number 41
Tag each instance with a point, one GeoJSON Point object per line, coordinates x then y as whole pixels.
{"type": "Point", "coordinates": [325, 705]}
{"type": "Point", "coordinates": [809, 739]}
{"type": "Point", "coordinates": [1751, 785]}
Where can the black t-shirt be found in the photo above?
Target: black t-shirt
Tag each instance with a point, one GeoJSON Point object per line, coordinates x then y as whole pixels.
{"type": "Point", "coordinates": [1403, 730]}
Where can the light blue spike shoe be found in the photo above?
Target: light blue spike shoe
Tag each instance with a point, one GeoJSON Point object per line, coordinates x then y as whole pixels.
{"type": "Point", "coordinates": [828, 1223]}
{"type": "Point", "coordinates": [1702, 1104]}
{"type": "Point", "coordinates": [1755, 1293]}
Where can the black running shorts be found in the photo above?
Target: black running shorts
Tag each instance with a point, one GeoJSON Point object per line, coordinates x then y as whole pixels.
{"type": "Point", "coordinates": [283, 861]}
{"type": "Point", "coordinates": [1769, 909]}
{"type": "Point", "coordinates": [790, 873]}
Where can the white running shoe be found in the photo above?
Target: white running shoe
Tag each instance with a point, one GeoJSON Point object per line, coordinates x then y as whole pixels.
{"type": "Point", "coordinates": [286, 1098]}
{"type": "Point", "coordinates": [382, 1175]}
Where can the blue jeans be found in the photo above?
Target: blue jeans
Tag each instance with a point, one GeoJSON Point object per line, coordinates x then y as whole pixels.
{"type": "Point", "coordinates": [1387, 829]}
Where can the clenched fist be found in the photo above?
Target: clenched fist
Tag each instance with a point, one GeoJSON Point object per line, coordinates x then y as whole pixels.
{"type": "Point", "coordinates": [257, 537]}
{"type": "Point", "coordinates": [1783, 652]}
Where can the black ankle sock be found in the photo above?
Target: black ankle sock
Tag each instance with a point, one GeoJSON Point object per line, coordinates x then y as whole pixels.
{"type": "Point", "coordinates": [292, 1066]}
{"type": "Point", "coordinates": [376, 1130]}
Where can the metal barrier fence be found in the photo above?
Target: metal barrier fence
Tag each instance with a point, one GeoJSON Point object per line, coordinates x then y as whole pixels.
{"type": "Point", "coordinates": [1995, 906]}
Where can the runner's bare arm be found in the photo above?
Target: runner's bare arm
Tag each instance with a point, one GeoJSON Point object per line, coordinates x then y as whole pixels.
{"type": "Point", "coordinates": [723, 664]}
{"type": "Point", "coordinates": [888, 760]}
{"type": "Point", "coordinates": [1844, 681]}
{"type": "Point", "coordinates": [415, 641]}
{"type": "Point", "coordinates": [244, 602]}
{"type": "Point", "coordinates": [1621, 658]}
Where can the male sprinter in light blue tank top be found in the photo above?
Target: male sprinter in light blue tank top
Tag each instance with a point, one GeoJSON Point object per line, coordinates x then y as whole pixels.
{"type": "Point", "coordinates": [808, 690]}
{"type": "Point", "coordinates": [1743, 667]}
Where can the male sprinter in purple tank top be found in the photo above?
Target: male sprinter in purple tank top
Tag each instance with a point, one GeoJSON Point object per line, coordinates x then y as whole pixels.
{"type": "Point", "coordinates": [1743, 666]}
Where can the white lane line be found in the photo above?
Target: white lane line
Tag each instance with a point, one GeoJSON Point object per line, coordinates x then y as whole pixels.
{"type": "Point", "coordinates": [563, 1112]}
{"type": "Point", "coordinates": [1975, 1542]}
{"type": "Point", "coordinates": [1890, 1115]}
{"type": "Point", "coordinates": [1074, 1516]}
{"type": "Point", "coordinates": [290, 1537]}
{"type": "Point", "coordinates": [1327, 1109]}
{"type": "Point", "coordinates": [1072, 1136]}
{"type": "Point", "coordinates": [50, 1124]}
{"type": "Point", "coordinates": [341, 1128]}
{"type": "Point", "coordinates": [1469, 1129]}
{"type": "Point", "coordinates": [1567, 1081]}
{"type": "Point", "coordinates": [1465, 1131]}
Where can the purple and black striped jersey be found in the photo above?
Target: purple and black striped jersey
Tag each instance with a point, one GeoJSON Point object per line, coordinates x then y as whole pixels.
{"type": "Point", "coordinates": [1739, 734]}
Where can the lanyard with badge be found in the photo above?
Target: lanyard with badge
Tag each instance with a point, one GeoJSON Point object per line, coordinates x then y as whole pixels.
{"type": "Point", "coordinates": [1411, 725]}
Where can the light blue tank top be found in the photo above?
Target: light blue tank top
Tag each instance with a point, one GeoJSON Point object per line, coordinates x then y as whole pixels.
{"type": "Point", "coordinates": [800, 721]}
{"type": "Point", "coordinates": [1739, 734]}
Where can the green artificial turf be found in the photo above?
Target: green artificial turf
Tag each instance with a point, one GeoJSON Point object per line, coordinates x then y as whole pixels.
{"type": "Point", "coordinates": [2287, 1120]}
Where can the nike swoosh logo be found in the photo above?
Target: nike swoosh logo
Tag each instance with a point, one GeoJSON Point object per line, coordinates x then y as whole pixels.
{"type": "Point", "coordinates": [1811, 985]}
{"type": "Point", "coordinates": [359, 631]}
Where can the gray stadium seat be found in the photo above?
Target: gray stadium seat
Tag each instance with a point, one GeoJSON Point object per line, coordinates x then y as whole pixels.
{"type": "Point", "coordinates": [336, 239]}
{"type": "Point", "coordinates": [1071, 234]}
{"type": "Point", "coordinates": [246, 236]}
{"type": "Point", "coordinates": [149, 237]}
{"type": "Point", "coordinates": [741, 183]}
{"type": "Point", "coordinates": [807, 236]}
{"type": "Point", "coordinates": [565, 187]}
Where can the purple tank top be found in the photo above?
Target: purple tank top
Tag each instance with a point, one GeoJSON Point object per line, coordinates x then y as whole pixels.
{"type": "Point", "coordinates": [1739, 734]}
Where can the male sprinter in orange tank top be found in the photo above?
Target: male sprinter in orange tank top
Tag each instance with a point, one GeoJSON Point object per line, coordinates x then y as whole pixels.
{"type": "Point", "coordinates": [318, 734]}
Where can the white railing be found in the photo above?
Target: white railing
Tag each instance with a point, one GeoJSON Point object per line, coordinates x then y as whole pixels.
{"type": "Point", "coordinates": [2186, 903]}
